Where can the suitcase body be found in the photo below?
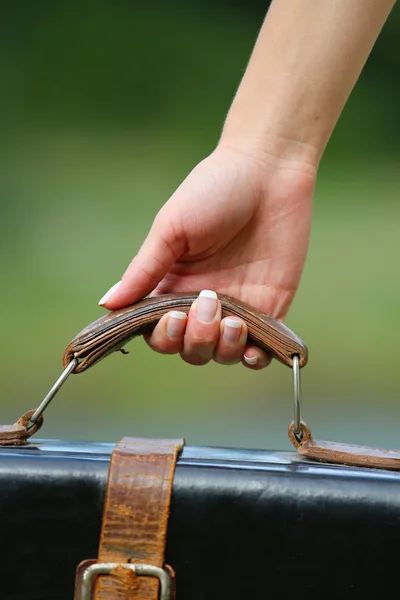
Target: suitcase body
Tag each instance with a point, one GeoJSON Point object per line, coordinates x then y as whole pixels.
{"type": "Point", "coordinates": [244, 524]}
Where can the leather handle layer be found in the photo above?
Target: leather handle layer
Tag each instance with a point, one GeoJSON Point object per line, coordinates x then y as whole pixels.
{"type": "Point", "coordinates": [344, 454]}
{"type": "Point", "coordinates": [117, 328]}
{"type": "Point", "coordinates": [18, 434]}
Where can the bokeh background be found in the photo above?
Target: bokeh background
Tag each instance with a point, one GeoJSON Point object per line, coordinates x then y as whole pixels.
{"type": "Point", "coordinates": [105, 107]}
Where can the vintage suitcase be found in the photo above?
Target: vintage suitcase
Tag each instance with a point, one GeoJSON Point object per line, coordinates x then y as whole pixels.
{"type": "Point", "coordinates": [243, 524]}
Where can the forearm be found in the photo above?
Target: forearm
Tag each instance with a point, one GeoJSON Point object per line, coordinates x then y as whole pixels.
{"type": "Point", "coordinates": [305, 63]}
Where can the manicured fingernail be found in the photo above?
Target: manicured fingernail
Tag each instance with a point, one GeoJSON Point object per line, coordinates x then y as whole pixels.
{"type": "Point", "coordinates": [232, 329]}
{"type": "Point", "coordinates": [108, 295]}
{"type": "Point", "coordinates": [251, 360]}
{"type": "Point", "coordinates": [175, 324]}
{"type": "Point", "coordinates": [207, 306]}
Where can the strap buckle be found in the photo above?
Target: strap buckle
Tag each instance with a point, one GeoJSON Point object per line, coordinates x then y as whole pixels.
{"type": "Point", "coordinates": [88, 577]}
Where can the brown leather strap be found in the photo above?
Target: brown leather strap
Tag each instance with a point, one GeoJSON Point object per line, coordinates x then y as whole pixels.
{"type": "Point", "coordinates": [13, 435]}
{"type": "Point", "coordinates": [114, 330]}
{"type": "Point", "coordinates": [135, 517]}
{"type": "Point", "coordinates": [346, 454]}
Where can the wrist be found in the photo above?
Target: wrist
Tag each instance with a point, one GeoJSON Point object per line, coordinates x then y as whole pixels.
{"type": "Point", "coordinates": [278, 173]}
{"type": "Point", "coordinates": [268, 146]}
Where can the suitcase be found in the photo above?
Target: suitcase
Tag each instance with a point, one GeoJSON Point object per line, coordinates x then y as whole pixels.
{"type": "Point", "coordinates": [243, 523]}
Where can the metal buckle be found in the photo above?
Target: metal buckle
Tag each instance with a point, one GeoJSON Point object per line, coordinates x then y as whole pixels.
{"type": "Point", "coordinates": [93, 571]}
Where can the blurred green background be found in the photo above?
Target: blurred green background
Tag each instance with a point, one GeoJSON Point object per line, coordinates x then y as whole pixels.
{"type": "Point", "coordinates": [105, 107]}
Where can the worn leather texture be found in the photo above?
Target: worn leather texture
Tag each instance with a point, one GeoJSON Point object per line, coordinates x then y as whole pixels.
{"type": "Point", "coordinates": [347, 454]}
{"type": "Point", "coordinates": [135, 516]}
{"type": "Point", "coordinates": [111, 332]}
{"type": "Point", "coordinates": [18, 433]}
{"type": "Point", "coordinates": [243, 524]}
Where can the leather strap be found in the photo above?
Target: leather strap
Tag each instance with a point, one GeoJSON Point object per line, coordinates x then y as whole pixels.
{"type": "Point", "coordinates": [111, 332]}
{"type": "Point", "coordinates": [345, 454]}
{"type": "Point", "coordinates": [135, 518]}
{"type": "Point", "coordinates": [14, 435]}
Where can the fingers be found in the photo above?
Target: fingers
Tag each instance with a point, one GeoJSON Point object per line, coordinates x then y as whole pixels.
{"type": "Point", "coordinates": [232, 341]}
{"type": "Point", "coordinates": [161, 249]}
{"type": "Point", "coordinates": [255, 359]}
{"type": "Point", "coordinates": [167, 336]}
{"type": "Point", "coordinates": [202, 329]}
{"type": "Point", "coordinates": [202, 336]}
{"type": "Point", "coordinates": [196, 337]}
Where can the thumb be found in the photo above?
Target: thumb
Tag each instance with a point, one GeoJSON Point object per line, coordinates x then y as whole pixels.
{"type": "Point", "coordinates": [159, 252]}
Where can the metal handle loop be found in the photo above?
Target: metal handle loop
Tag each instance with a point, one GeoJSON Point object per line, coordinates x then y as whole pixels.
{"type": "Point", "coordinates": [297, 397]}
{"type": "Point", "coordinates": [74, 362]}
{"type": "Point", "coordinates": [44, 404]}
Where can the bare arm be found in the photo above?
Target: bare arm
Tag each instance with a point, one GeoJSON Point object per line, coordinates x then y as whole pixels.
{"type": "Point", "coordinates": [305, 63]}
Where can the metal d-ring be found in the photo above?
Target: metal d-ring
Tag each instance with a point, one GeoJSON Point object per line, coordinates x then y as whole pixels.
{"type": "Point", "coordinates": [296, 397]}
{"type": "Point", "coordinates": [44, 404]}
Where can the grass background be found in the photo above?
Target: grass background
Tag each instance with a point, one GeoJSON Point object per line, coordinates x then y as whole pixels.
{"type": "Point", "coordinates": [105, 109]}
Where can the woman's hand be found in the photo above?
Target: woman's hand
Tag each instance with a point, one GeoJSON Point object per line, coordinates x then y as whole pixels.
{"type": "Point", "coordinates": [238, 225]}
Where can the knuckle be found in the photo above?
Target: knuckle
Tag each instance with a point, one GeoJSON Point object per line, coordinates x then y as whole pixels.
{"type": "Point", "coordinates": [197, 339]}
{"type": "Point", "coordinates": [161, 350]}
{"type": "Point", "coordinates": [194, 359]}
{"type": "Point", "coordinates": [201, 352]}
{"type": "Point", "coordinates": [228, 354]}
{"type": "Point", "coordinates": [165, 346]}
{"type": "Point", "coordinates": [227, 361]}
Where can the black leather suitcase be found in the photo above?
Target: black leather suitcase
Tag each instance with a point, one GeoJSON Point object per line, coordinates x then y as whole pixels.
{"type": "Point", "coordinates": [243, 523]}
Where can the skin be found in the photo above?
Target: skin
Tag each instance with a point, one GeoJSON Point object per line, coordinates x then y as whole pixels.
{"type": "Point", "coordinates": [240, 222]}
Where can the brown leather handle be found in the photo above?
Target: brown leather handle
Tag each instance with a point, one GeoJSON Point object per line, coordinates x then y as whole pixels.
{"type": "Point", "coordinates": [111, 332]}
{"type": "Point", "coordinates": [344, 454]}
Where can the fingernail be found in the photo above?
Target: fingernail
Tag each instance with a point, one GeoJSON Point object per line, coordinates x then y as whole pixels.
{"type": "Point", "coordinates": [108, 295]}
{"type": "Point", "coordinates": [251, 360]}
{"type": "Point", "coordinates": [232, 329]}
{"type": "Point", "coordinates": [175, 324]}
{"type": "Point", "coordinates": [207, 306]}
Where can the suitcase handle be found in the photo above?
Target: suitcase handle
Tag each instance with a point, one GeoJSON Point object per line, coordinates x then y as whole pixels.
{"type": "Point", "coordinates": [112, 331]}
